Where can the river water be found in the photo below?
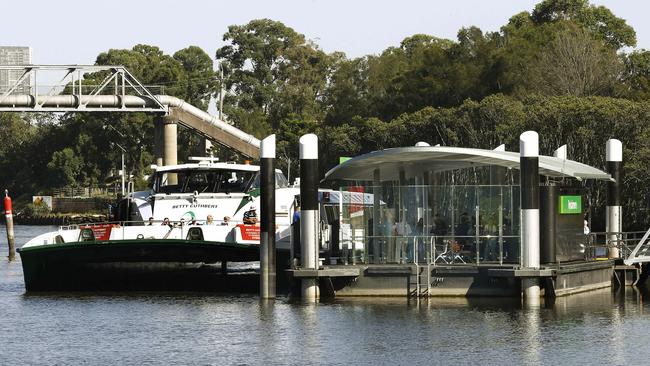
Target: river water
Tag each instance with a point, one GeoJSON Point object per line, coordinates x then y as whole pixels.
{"type": "Point", "coordinates": [599, 327]}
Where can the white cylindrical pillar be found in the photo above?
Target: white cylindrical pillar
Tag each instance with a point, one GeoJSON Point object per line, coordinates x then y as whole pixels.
{"type": "Point", "coordinates": [529, 180]}
{"type": "Point", "coordinates": [267, 216]}
{"type": "Point", "coordinates": [170, 148]}
{"type": "Point", "coordinates": [309, 212]}
{"type": "Point", "coordinates": [613, 211]}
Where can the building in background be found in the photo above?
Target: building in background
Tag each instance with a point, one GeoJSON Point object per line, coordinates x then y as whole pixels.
{"type": "Point", "coordinates": [11, 55]}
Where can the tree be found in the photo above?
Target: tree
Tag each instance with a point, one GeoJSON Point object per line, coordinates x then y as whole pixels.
{"type": "Point", "coordinates": [636, 77]}
{"type": "Point", "coordinates": [576, 64]}
{"type": "Point", "coordinates": [199, 76]}
{"type": "Point", "coordinates": [272, 74]}
{"type": "Point", "coordinates": [597, 19]}
{"type": "Point", "coordinates": [347, 93]}
{"type": "Point", "coordinates": [65, 168]}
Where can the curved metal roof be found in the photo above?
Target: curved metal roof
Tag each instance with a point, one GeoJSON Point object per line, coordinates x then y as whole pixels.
{"type": "Point", "coordinates": [415, 160]}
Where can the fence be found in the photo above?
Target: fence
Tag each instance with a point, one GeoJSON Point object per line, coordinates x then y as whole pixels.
{"type": "Point", "coordinates": [85, 192]}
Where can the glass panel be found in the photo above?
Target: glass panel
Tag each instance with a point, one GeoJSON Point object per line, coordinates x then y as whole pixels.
{"type": "Point", "coordinates": [448, 224]}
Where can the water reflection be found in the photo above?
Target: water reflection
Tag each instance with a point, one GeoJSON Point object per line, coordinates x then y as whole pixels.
{"type": "Point", "coordinates": [598, 327]}
{"type": "Point", "coordinates": [529, 320]}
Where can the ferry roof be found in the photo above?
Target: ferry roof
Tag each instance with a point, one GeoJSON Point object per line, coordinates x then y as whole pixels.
{"type": "Point", "coordinates": [209, 166]}
{"type": "Point", "coordinates": [418, 159]}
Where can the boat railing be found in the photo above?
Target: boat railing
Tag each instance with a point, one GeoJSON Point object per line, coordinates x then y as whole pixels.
{"type": "Point", "coordinates": [178, 223]}
{"type": "Point", "coordinates": [121, 230]}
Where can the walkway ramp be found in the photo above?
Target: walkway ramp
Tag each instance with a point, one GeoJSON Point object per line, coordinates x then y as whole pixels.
{"type": "Point", "coordinates": [211, 126]}
{"type": "Point", "coordinates": [119, 91]}
{"type": "Point", "coordinates": [640, 253]}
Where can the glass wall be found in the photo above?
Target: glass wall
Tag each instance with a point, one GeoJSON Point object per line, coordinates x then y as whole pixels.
{"type": "Point", "coordinates": [450, 224]}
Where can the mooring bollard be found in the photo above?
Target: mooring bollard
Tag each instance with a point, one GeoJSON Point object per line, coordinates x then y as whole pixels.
{"type": "Point", "coordinates": [267, 227]}
{"type": "Point", "coordinates": [309, 212]}
{"type": "Point", "coordinates": [529, 171]}
{"type": "Point", "coordinates": [613, 211]}
{"type": "Point", "coordinates": [10, 226]}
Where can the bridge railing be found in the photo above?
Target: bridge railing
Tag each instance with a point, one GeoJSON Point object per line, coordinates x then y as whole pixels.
{"type": "Point", "coordinates": [75, 90]}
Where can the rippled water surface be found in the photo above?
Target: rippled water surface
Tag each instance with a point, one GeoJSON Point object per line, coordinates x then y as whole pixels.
{"type": "Point", "coordinates": [152, 328]}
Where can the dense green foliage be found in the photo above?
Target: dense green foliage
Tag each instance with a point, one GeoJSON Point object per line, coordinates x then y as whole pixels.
{"type": "Point", "coordinates": [560, 69]}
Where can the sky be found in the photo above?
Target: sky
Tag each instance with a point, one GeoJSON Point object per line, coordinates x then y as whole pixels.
{"type": "Point", "coordinates": [76, 31]}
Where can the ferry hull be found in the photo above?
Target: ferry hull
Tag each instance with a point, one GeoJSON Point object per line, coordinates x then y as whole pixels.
{"type": "Point", "coordinates": [160, 265]}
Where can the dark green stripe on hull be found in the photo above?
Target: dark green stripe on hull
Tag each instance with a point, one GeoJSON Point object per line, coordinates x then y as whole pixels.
{"type": "Point", "coordinates": [137, 265]}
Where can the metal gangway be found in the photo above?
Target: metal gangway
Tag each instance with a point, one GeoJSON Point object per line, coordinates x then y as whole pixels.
{"type": "Point", "coordinates": [641, 252]}
{"type": "Point", "coordinates": [117, 91]}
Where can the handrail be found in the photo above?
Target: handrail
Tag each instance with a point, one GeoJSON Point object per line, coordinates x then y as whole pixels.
{"type": "Point", "coordinates": [631, 258]}
{"type": "Point", "coordinates": [476, 251]}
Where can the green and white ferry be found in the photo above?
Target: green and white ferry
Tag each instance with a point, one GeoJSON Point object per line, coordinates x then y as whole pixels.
{"type": "Point", "coordinates": [173, 235]}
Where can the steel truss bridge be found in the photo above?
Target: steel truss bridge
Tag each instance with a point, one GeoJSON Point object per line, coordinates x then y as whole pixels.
{"type": "Point", "coordinates": [118, 91]}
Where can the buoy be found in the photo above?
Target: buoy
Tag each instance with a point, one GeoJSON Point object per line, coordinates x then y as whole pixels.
{"type": "Point", "coordinates": [10, 225]}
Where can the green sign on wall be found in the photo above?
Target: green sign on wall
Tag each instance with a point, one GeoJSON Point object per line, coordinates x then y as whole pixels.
{"type": "Point", "coordinates": [570, 204]}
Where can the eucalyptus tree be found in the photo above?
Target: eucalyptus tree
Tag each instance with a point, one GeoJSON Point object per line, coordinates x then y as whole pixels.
{"type": "Point", "coordinates": [273, 75]}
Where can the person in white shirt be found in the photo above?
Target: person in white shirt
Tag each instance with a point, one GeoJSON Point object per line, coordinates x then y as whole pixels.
{"type": "Point", "coordinates": [402, 231]}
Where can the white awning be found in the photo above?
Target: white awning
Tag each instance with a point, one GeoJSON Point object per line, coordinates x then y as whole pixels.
{"type": "Point", "coordinates": [416, 160]}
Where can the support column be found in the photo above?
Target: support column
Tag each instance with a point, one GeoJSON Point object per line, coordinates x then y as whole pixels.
{"type": "Point", "coordinates": [613, 211]}
{"type": "Point", "coordinates": [158, 140]}
{"type": "Point", "coordinates": [401, 241]}
{"type": "Point", "coordinates": [529, 180]}
{"type": "Point", "coordinates": [309, 212]}
{"type": "Point", "coordinates": [427, 215]}
{"type": "Point", "coordinates": [170, 148]}
{"type": "Point", "coordinates": [267, 213]}
{"type": "Point", "coordinates": [376, 216]}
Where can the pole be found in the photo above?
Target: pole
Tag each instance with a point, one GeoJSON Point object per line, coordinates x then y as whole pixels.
{"type": "Point", "coordinates": [376, 216]}
{"type": "Point", "coordinates": [529, 180]}
{"type": "Point", "coordinates": [613, 211]}
{"type": "Point", "coordinates": [267, 213]}
{"type": "Point", "coordinates": [309, 212]}
{"type": "Point", "coordinates": [10, 226]}
{"type": "Point", "coordinates": [170, 149]}
{"type": "Point", "coordinates": [159, 126]}
{"type": "Point", "coordinates": [123, 182]}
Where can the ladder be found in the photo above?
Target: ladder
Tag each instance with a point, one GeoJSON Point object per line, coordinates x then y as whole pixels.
{"type": "Point", "coordinates": [420, 281]}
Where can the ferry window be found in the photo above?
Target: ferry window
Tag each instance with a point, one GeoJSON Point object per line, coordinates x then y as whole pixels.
{"type": "Point", "coordinates": [204, 181]}
{"type": "Point", "coordinates": [280, 181]}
